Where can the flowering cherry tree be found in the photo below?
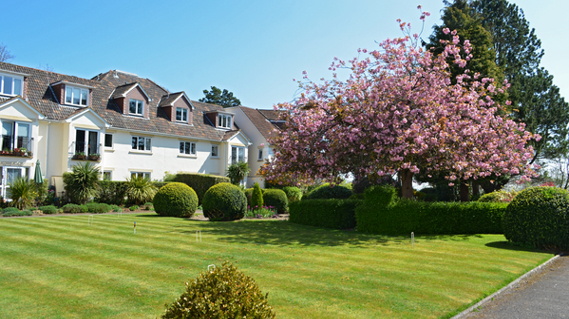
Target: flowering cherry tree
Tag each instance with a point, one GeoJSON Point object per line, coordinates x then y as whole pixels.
{"type": "Point", "coordinates": [398, 112]}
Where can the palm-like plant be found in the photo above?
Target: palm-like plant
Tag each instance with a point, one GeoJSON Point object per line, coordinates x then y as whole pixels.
{"type": "Point", "coordinates": [237, 172]}
{"type": "Point", "coordinates": [22, 192]}
{"type": "Point", "coordinates": [82, 183]}
{"type": "Point", "coordinates": [140, 190]}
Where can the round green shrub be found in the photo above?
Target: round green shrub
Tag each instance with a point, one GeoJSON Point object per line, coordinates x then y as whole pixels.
{"type": "Point", "coordinates": [48, 210]}
{"type": "Point", "coordinates": [72, 209]}
{"type": "Point", "coordinates": [133, 208]}
{"type": "Point", "coordinates": [293, 194]}
{"type": "Point", "coordinates": [257, 197]}
{"type": "Point", "coordinates": [116, 208]}
{"type": "Point", "coordinates": [277, 199]}
{"type": "Point", "coordinates": [539, 217]}
{"type": "Point", "coordinates": [229, 294]}
{"type": "Point", "coordinates": [98, 208]}
{"type": "Point", "coordinates": [327, 192]}
{"type": "Point", "coordinates": [498, 197]}
{"type": "Point", "coordinates": [175, 199]}
{"type": "Point", "coordinates": [224, 201]}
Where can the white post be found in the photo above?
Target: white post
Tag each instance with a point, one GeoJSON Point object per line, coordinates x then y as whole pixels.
{"type": "Point", "coordinates": [198, 235]}
{"type": "Point", "coordinates": [90, 220]}
{"type": "Point", "coordinates": [412, 240]}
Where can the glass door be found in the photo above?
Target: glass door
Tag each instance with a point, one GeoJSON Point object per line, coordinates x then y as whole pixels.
{"type": "Point", "coordinates": [9, 175]}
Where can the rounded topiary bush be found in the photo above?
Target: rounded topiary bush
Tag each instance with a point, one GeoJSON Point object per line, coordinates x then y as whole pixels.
{"type": "Point", "coordinates": [175, 199]}
{"type": "Point", "coordinates": [224, 201]}
{"type": "Point", "coordinates": [498, 197]}
{"type": "Point", "coordinates": [327, 192]}
{"type": "Point", "coordinates": [293, 194]}
{"type": "Point", "coordinates": [277, 199]}
{"type": "Point", "coordinates": [538, 216]}
{"type": "Point", "coordinates": [229, 294]}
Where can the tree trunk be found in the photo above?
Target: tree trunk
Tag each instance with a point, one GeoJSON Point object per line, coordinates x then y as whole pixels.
{"type": "Point", "coordinates": [464, 192]}
{"type": "Point", "coordinates": [475, 189]}
{"type": "Point", "coordinates": [406, 184]}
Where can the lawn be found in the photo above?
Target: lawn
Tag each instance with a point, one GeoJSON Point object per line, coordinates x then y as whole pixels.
{"type": "Point", "coordinates": [60, 267]}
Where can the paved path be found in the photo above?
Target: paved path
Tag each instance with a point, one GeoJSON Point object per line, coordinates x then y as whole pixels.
{"type": "Point", "coordinates": [544, 294]}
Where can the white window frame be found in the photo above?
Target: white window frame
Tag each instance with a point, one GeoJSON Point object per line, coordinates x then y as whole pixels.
{"type": "Point", "coordinates": [13, 79]}
{"type": "Point", "coordinates": [140, 174]}
{"type": "Point", "coordinates": [147, 144]}
{"type": "Point", "coordinates": [215, 154]}
{"type": "Point", "coordinates": [109, 173]}
{"type": "Point", "coordinates": [112, 140]}
{"type": "Point", "coordinates": [14, 139]}
{"type": "Point", "coordinates": [224, 121]}
{"type": "Point", "coordinates": [86, 141]}
{"type": "Point", "coordinates": [183, 114]}
{"type": "Point", "coordinates": [184, 149]}
{"type": "Point", "coordinates": [139, 107]}
{"type": "Point", "coordinates": [238, 149]}
{"type": "Point", "coordinates": [71, 92]}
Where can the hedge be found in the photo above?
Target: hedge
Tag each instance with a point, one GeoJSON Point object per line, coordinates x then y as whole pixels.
{"type": "Point", "coordinates": [114, 192]}
{"type": "Point", "coordinates": [276, 198]}
{"type": "Point", "coordinates": [327, 213]}
{"type": "Point", "coordinates": [382, 213]}
{"type": "Point", "coordinates": [326, 192]}
{"type": "Point", "coordinates": [200, 183]}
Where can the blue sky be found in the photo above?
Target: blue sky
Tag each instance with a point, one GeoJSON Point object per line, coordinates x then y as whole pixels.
{"type": "Point", "coordinates": [252, 48]}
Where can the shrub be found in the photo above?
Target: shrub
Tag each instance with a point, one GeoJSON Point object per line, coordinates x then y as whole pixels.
{"type": "Point", "coordinates": [256, 197]}
{"type": "Point", "coordinates": [22, 192]}
{"type": "Point", "coordinates": [175, 199]}
{"type": "Point", "coordinates": [140, 190]}
{"type": "Point", "coordinates": [98, 208]}
{"type": "Point", "coordinates": [116, 208]}
{"type": "Point", "coordinates": [49, 210]}
{"type": "Point", "coordinates": [200, 183]}
{"type": "Point", "coordinates": [277, 199]}
{"type": "Point", "coordinates": [82, 183]}
{"type": "Point", "coordinates": [383, 213]}
{"type": "Point", "coordinates": [72, 209]}
{"type": "Point", "coordinates": [16, 212]}
{"type": "Point", "coordinates": [229, 294]}
{"type": "Point", "coordinates": [237, 172]}
{"type": "Point", "coordinates": [498, 196]}
{"type": "Point", "coordinates": [148, 206]}
{"type": "Point", "coordinates": [293, 194]}
{"type": "Point", "coordinates": [328, 213]}
{"type": "Point", "coordinates": [326, 192]}
{"type": "Point", "coordinates": [539, 216]}
{"type": "Point", "coordinates": [224, 201]}
{"type": "Point", "coordinates": [249, 194]}
{"type": "Point", "coordinates": [133, 208]}
{"type": "Point", "coordinates": [111, 192]}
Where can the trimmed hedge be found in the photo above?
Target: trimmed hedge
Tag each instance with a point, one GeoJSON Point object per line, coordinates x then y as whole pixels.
{"type": "Point", "coordinates": [224, 202]}
{"type": "Point", "coordinates": [498, 197]}
{"type": "Point", "coordinates": [327, 213]}
{"type": "Point", "coordinates": [382, 213]}
{"type": "Point", "coordinates": [293, 194]}
{"type": "Point", "coordinates": [276, 198]}
{"type": "Point", "coordinates": [175, 199]}
{"type": "Point", "coordinates": [48, 210]}
{"type": "Point", "coordinates": [98, 208]}
{"type": "Point", "coordinates": [539, 217]}
{"type": "Point", "coordinates": [326, 192]}
{"type": "Point", "coordinates": [200, 183]}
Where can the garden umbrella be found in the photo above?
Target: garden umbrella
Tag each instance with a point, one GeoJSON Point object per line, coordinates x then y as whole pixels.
{"type": "Point", "coordinates": [37, 176]}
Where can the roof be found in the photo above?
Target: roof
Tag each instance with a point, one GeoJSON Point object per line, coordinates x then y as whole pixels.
{"type": "Point", "coordinates": [108, 85]}
{"type": "Point", "coordinates": [260, 120]}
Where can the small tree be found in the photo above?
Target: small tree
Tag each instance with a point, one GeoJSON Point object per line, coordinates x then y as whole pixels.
{"type": "Point", "coordinates": [22, 192]}
{"type": "Point", "coordinates": [256, 197]}
{"type": "Point", "coordinates": [237, 172]}
{"type": "Point", "coordinates": [82, 183]}
{"type": "Point", "coordinates": [140, 190]}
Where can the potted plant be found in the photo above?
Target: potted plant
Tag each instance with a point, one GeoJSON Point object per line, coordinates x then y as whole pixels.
{"type": "Point", "coordinates": [80, 156]}
{"type": "Point", "coordinates": [23, 151]}
{"type": "Point", "coordinates": [94, 157]}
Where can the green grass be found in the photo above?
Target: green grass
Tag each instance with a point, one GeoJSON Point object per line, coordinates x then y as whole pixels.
{"type": "Point", "coordinates": [59, 267]}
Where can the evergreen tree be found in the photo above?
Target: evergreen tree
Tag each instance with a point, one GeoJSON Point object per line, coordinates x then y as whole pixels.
{"type": "Point", "coordinates": [223, 98]}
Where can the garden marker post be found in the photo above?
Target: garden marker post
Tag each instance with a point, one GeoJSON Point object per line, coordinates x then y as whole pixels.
{"type": "Point", "coordinates": [412, 240]}
{"type": "Point", "coordinates": [200, 235]}
{"type": "Point", "coordinates": [90, 220]}
{"type": "Point", "coordinates": [211, 266]}
{"type": "Point", "coordinates": [134, 227]}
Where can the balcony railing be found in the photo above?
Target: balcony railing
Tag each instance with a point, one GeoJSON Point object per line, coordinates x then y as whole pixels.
{"type": "Point", "coordinates": [24, 145]}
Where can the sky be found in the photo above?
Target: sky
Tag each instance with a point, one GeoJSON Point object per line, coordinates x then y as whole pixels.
{"type": "Point", "coordinates": [252, 48]}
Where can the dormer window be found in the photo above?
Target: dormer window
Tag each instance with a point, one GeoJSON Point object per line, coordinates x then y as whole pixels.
{"type": "Point", "coordinates": [136, 107]}
{"type": "Point", "coordinates": [224, 121]}
{"type": "Point", "coordinates": [10, 84]}
{"type": "Point", "coordinates": [181, 114]}
{"type": "Point", "coordinates": [76, 96]}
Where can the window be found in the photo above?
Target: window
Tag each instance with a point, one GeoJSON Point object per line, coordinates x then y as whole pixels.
{"type": "Point", "coordinates": [10, 84]}
{"type": "Point", "coordinates": [135, 107]}
{"type": "Point", "coordinates": [107, 175]}
{"type": "Point", "coordinates": [214, 151]}
{"type": "Point", "coordinates": [15, 135]}
{"type": "Point", "coordinates": [237, 154]}
{"type": "Point", "coordinates": [108, 140]}
{"type": "Point", "coordinates": [224, 121]}
{"type": "Point", "coordinates": [260, 158]}
{"type": "Point", "coordinates": [141, 143]}
{"type": "Point", "coordinates": [188, 148]}
{"type": "Point", "coordinates": [181, 114]}
{"type": "Point", "coordinates": [86, 142]}
{"type": "Point", "coordinates": [76, 96]}
{"type": "Point", "coordinates": [140, 175]}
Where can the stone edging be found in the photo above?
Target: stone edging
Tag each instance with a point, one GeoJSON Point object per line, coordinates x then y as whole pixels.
{"type": "Point", "coordinates": [509, 286]}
